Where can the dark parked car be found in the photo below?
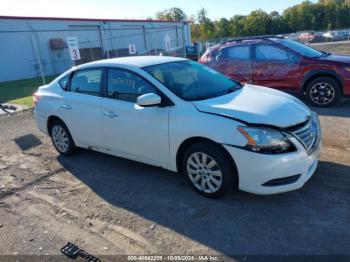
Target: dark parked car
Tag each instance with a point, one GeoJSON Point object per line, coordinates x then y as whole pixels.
{"type": "Point", "coordinates": [192, 52]}
{"type": "Point", "coordinates": [283, 64]}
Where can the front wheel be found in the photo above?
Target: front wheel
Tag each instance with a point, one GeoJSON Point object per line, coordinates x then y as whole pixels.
{"type": "Point", "coordinates": [209, 170]}
{"type": "Point", "coordinates": [323, 92]}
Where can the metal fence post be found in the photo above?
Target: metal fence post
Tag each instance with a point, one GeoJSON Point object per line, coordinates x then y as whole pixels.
{"type": "Point", "coordinates": [37, 57]}
{"type": "Point", "coordinates": [34, 41]}
{"type": "Point", "coordinates": [177, 36]}
{"type": "Point", "coordinates": [183, 38]}
{"type": "Point", "coordinates": [144, 37]}
{"type": "Point", "coordinates": [151, 39]}
{"type": "Point", "coordinates": [102, 44]}
{"type": "Point", "coordinates": [90, 48]}
{"type": "Point", "coordinates": [199, 47]}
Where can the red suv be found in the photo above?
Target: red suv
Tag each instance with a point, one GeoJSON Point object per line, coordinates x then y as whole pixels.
{"type": "Point", "coordinates": [283, 64]}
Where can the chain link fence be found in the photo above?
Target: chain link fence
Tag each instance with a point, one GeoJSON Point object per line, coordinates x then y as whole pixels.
{"type": "Point", "coordinates": [45, 53]}
{"type": "Point", "coordinates": [31, 56]}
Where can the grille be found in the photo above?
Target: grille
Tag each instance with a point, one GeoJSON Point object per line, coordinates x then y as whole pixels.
{"type": "Point", "coordinates": [307, 134]}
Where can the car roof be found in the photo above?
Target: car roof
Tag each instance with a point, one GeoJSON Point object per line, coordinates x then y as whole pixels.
{"type": "Point", "coordinates": [138, 61]}
{"type": "Point", "coordinates": [250, 41]}
{"type": "Point", "coordinates": [247, 40]}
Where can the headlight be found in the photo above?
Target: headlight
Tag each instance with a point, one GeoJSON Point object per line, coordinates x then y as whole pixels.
{"type": "Point", "coordinates": [266, 140]}
{"type": "Point", "coordinates": [315, 119]}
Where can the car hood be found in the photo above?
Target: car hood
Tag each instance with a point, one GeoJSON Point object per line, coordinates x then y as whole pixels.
{"type": "Point", "coordinates": [257, 105]}
{"type": "Point", "coordinates": [337, 58]}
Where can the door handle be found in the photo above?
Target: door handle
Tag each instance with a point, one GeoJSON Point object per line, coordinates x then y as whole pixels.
{"type": "Point", "coordinates": [110, 114]}
{"type": "Point", "coordinates": [65, 106]}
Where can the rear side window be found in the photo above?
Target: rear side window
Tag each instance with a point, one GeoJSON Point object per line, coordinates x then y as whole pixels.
{"type": "Point", "coordinates": [127, 86]}
{"type": "Point", "coordinates": [63, 82]}
{"type": "Point", "coordinates": [87, 82]}
{"type": "Point", "coordinates": [238, 53]}
{"type": "Point", "coordinates": [235, 53]}
{"type": "Point", "coordinates": [269, 52]}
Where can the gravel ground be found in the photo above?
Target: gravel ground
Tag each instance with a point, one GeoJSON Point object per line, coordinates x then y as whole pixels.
{"type": "Point", "coordinates": [340, 48]}
{"type": "Point", "coordinates": [108, 205]}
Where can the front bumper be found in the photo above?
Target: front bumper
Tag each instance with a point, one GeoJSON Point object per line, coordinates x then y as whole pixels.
{"type": "Point", "coordinates": [255, 170]}
{"type": "Point", "coordinates": [346, 87]}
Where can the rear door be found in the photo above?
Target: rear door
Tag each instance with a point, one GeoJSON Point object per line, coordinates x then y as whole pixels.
{"type": "Point", "coordinates": [80, 107]}
{"type": "Point", "coordinates": [275, 67]}
{"type": "Point", "coordinates": [235, 62]}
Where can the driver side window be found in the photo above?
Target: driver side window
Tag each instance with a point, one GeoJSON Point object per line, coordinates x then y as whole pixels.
{"type": "Point", "coordinates": [270, 53]}
{"type": "Point", "coordinates": [127, 86]}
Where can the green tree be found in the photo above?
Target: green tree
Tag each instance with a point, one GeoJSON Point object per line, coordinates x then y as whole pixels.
{"type": "Point", "coordinates": [196, 33]}
{"type": "Point", "coordinates": [278, 24]}
{"type": "Point", "coordinates": [258, 23]}
{"type": "Point", "coordinates": [237, 25]}
{"type": "Point", "coordinates": [206, 26]}
{"type": "Point", "coordinates": [221, 28]}
{"type": "Point", "coordinates": [321, 15]}
{"type": "Point", "coordinates": [172, 14]}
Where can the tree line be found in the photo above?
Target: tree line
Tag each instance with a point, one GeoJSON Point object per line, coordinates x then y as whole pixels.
{"type": "Point", "coordinates": [321, 15]}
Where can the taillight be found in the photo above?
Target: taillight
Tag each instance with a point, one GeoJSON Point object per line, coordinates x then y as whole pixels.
{"type": "Point", "coordinates": [35, 98]}
{"type": "Point", "coordinates": [206, 58]}
{"type": "Point", "coordinates": [201, 60]}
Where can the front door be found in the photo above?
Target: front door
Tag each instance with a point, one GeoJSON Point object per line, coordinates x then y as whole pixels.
{"type": "Point", "coordinates": [129, 130]}
{"type": "Point", "coordinates": [275, 67]}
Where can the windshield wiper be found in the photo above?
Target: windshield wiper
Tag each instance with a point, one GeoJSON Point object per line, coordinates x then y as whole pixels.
{"type": "Point", "coordinates": [325, 54]}
{"type": "Point", "coordinates": [228, 91]}
{"type": "Point", "coordinates": [234, 88]}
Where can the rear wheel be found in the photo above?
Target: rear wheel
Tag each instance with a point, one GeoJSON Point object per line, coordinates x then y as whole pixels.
{"type": "Point", "coordinates": [61, 138]}
{"type": "Point", "coordinates": [209, 170]}
{"type": "Point", "coordinates": [323, 92]}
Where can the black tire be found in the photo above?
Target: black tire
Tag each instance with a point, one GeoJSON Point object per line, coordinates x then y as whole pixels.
{"type": "Point", "coordinates": [229, 181]}
{"type": "Point", "coordinates": [317, 97]}
{"type": "Point", "coordinates": [66, 137]}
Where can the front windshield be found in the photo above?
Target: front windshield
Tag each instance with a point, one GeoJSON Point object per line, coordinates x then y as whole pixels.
{"type": "Point", "coordinates": [192, 81]}
{"type": "Point", "coordinates": [300, 48]}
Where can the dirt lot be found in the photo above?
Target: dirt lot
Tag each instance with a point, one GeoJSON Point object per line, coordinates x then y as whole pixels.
{"type": "Point", "coordinates": [109, 205]}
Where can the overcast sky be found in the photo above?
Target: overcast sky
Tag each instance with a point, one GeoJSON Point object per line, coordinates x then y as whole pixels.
{"type": "Point", "coordinates": [136, 9]}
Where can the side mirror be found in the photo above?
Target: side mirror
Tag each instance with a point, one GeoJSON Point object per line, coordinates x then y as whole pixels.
{"type": "Point", "coordinates": [149, 99]}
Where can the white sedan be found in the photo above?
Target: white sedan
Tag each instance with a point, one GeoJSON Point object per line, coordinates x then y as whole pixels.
{"type": "Point", "coordinates": [185, 117]}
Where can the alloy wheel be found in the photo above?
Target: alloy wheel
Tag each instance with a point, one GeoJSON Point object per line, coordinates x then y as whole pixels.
{"type": "Point", "coordinates": [60, 138]}
{"type": "Point", "coordinates": [204, 172]}
{"type": "Point", "coordinates": [322, 93]}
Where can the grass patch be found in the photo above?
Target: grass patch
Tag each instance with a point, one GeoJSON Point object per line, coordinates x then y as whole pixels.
{"type": "Point", "coordinates": [20, 91]}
